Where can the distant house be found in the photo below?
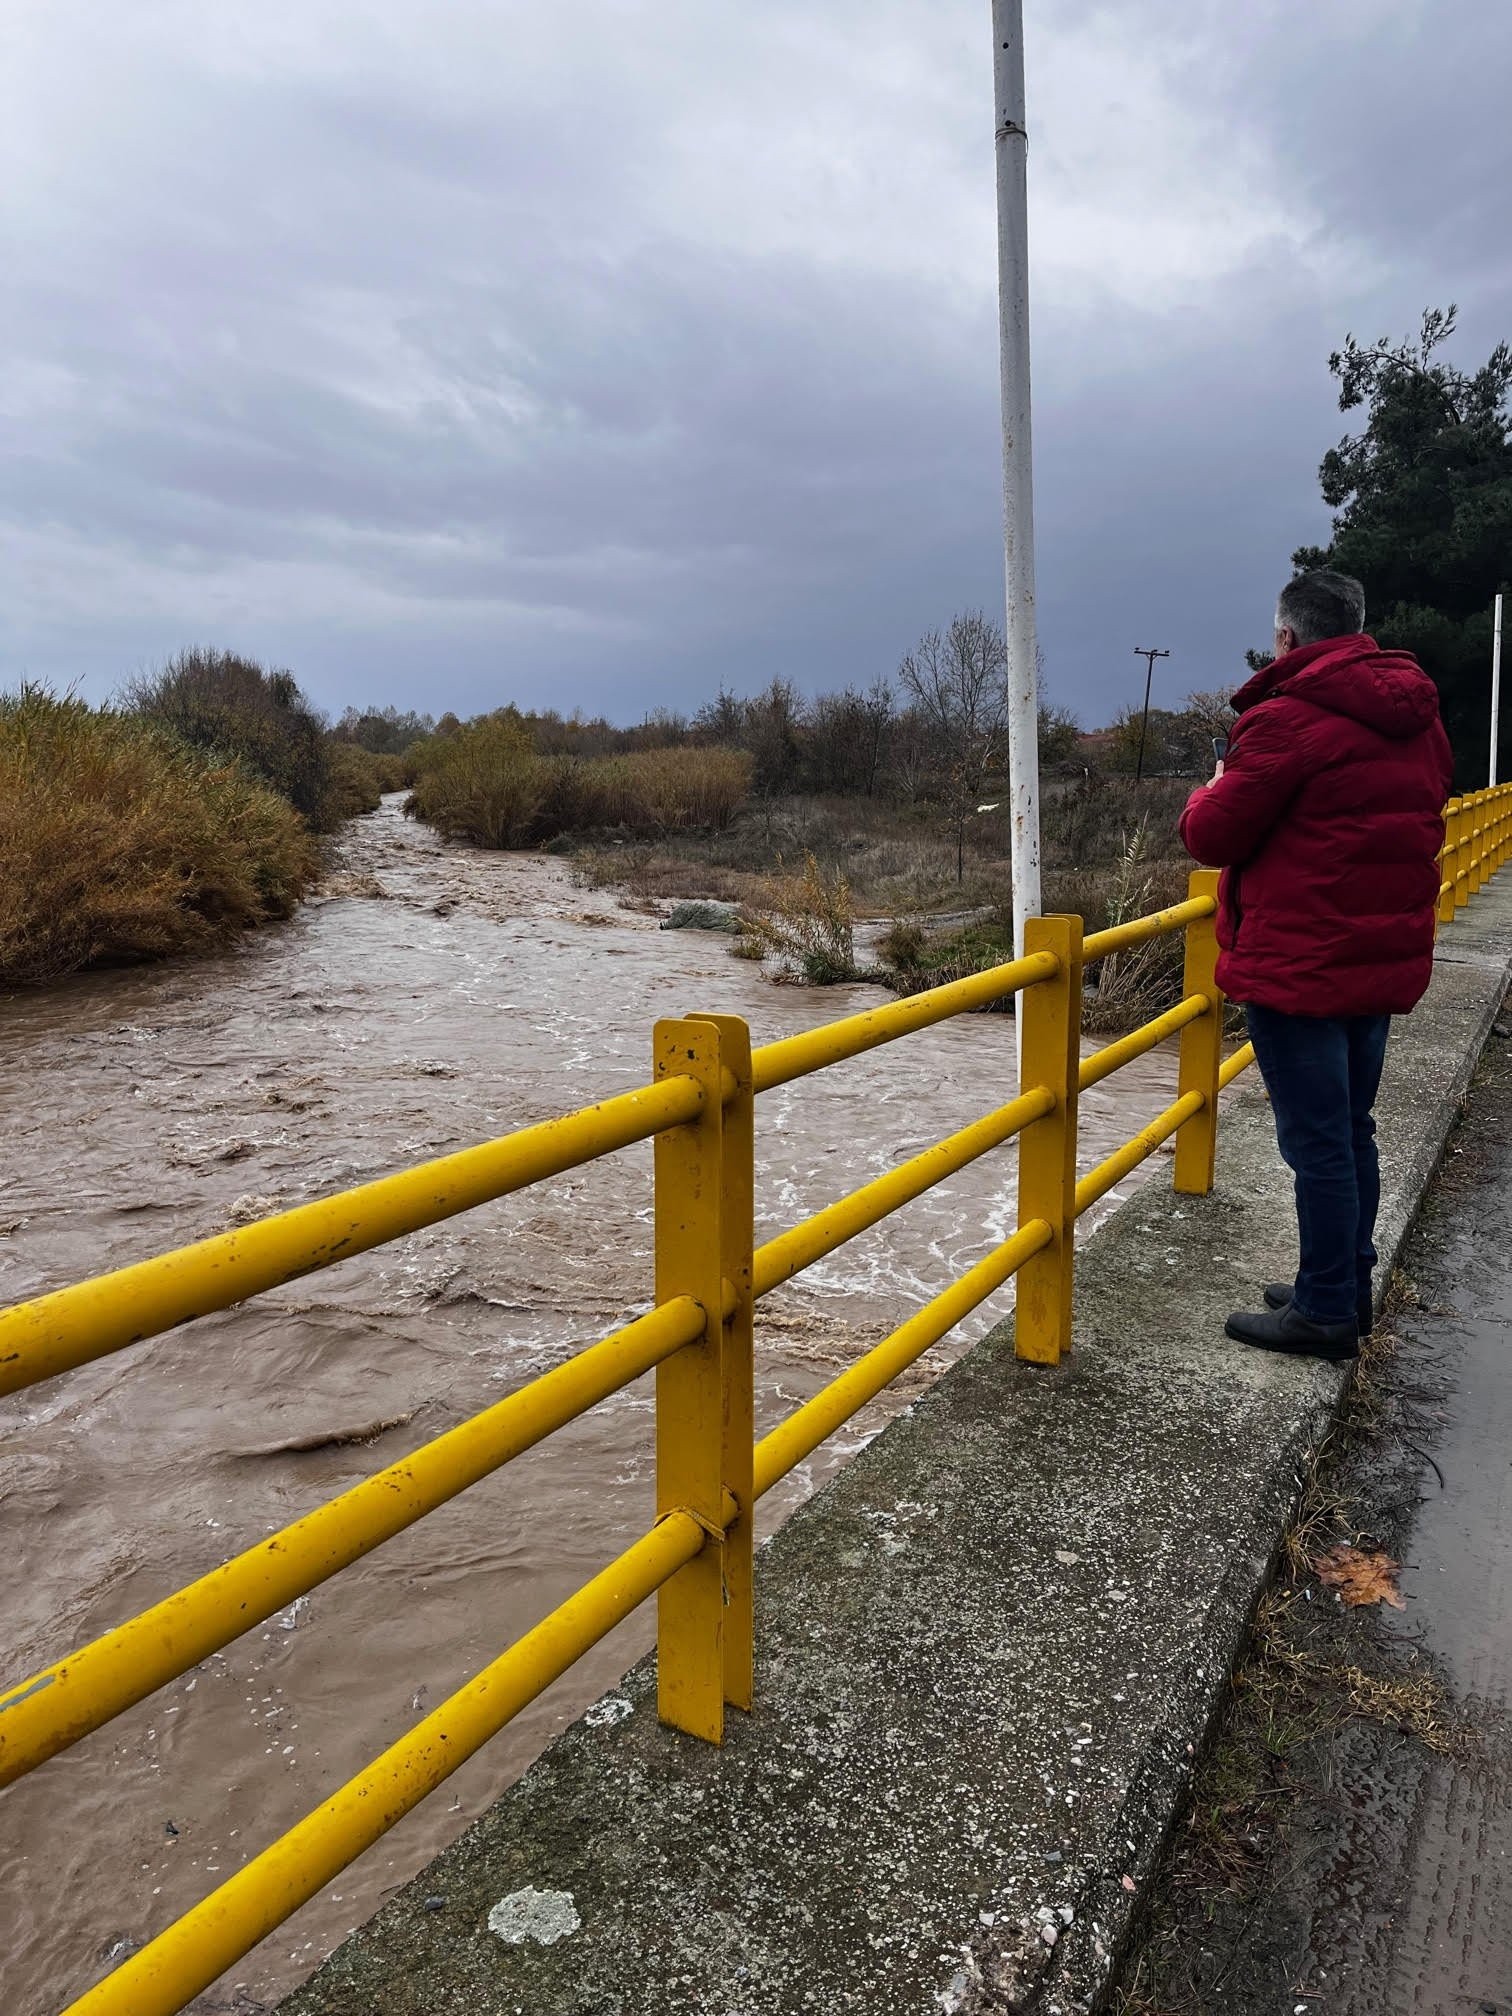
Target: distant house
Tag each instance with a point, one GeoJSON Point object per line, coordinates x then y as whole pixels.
{"type": "Point", "coordinates": [1096, 746]}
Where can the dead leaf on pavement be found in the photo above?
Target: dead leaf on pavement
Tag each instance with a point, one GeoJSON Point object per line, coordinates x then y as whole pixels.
{"type": "Point", "coordinates": [1360, 1576]}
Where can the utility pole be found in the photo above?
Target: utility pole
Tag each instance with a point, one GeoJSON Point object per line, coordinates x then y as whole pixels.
{"type": "Point", "coordinates": [1018, 486]}
{"type": "Point", "coordinates": [1495, 684]}
{"type": "Point", "coordinates": [1144, 725]}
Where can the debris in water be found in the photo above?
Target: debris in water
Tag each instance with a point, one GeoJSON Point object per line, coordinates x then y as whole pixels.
{"type": "Point", "coordinates": [331, 1438]}
{"type": "Point", "coordinates": [250, 1207]}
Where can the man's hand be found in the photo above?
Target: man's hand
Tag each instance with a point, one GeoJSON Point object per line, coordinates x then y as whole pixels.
{"type": "Point", "coordinates": [1217, 773]}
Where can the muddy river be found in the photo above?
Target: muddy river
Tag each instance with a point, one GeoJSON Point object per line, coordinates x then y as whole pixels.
{"type": "Point", "coordinates": [437, 997]}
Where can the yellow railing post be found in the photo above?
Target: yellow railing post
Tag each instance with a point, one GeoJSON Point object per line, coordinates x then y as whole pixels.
{"type": "Point", "coordinates": [1461, 853]}
{"type": "Point", "coordinates": [737, 1266]}
{"type": "Point", "coordinates": [1477, 841]}
{"type": "Point", "coordinates": [689, 1386]}
{"type": "Point", "coordinates": [1447, 861]}
{"type": "Point", "coordinates": [1201, 1047]}
{"type": "Point", "coordinates": [1488, 836]}
{"type": "Point", "coordinates": [1050, 1051]}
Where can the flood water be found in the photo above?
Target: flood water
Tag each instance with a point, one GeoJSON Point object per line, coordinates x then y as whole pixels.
{"type": "Point", "coordinates": [461, 996]}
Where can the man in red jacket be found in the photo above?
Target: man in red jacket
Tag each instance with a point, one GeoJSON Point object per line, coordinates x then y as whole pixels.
{"type": "Point", "coordinates": [1327, 819]}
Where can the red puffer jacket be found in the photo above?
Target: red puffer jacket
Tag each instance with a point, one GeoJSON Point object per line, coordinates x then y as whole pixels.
{"type": "Point", "coordinates": [1328, 820]}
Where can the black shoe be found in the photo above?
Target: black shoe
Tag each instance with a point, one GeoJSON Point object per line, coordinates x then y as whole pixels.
{"type": "Point", "coordinates": [1278, 1295]}
{"type": "Point", "coordinates": [1284, 1330]}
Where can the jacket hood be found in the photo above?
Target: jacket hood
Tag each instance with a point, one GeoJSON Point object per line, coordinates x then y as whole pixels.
{"type": "Point", "coordinates": [1385, 690]}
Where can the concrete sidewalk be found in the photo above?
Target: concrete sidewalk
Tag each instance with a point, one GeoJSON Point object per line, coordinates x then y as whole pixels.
{"type": "Point", "coordinates": [988, 1653]}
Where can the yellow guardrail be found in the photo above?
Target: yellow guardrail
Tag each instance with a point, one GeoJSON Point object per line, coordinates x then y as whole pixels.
{"type": "Point", "coordinates": [700, 1113]}
{"type": "Point", "coordinates": [1477, 841]}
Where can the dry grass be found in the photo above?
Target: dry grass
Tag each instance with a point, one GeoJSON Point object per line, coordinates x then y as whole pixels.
{"type": "Point", "coordinates": [657, 790]}
{"type": "Point", "coordinates": [487, 783]}
{"type": "Point", "coordinates": [118, 844]}
{"type": "Point", "coordinates": [648, 876]}
{"type": "Point", "coordinates": [897, 859]}
{"type": "Point", "coordinates": [1319, 1692]}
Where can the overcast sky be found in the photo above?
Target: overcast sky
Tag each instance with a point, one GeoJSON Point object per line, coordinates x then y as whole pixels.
{"type": "Point", "coordinates": [599, 352]}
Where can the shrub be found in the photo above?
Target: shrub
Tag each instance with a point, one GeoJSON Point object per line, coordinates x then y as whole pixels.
{"type": "Point", "coordinates": [915, 961]}
{"type": "Point", "coordinates": [808, 920]}
{"type": "Point", "coordinates": [117, 843]}
{"type": "Point", "coordinates": [231, 708]}
{"type": "Point", "coordinates": [902, 944]}
{"type": "Point", "coordinates": [354, 785]}
{"type": "Point", "coordinates": [485, 783]}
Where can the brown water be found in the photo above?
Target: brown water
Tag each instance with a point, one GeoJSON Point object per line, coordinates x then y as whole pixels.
{"type": "Point", "coordinates": [476, 993]}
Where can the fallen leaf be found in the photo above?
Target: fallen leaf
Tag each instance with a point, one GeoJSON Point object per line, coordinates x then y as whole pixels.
{"type": "Point", "coordinates": [1360, 1576]}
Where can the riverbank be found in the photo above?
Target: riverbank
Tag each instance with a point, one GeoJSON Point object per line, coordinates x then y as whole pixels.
{"type": "Point", "coordinates": [852, 887]}
{"type": "Point", "coordinates": [989, 1654]}
{"type": "Point", "coordinates": [120, 844]}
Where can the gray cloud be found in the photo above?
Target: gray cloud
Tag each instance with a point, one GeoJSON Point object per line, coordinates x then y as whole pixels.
{"type": "Point", "coordinates": [456, 355]}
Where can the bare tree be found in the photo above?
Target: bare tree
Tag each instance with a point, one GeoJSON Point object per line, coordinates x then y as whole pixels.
{"type": "Point", "coordinates": [960, 684]}
{"type": "Point", "coordinates": [847, 739]}
{"type": "Point", "coordinates": [911, 752]}
{"type": "Point", "coordinates": [1212, 712]}
{"type": "Point", "coordinates": [878, 715]}
{"type": "Point", "coordinates": [721, 721]}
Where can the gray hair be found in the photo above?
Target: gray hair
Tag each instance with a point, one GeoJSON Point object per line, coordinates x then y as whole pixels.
{"type": "Point", "coordinates": [1321, 604]}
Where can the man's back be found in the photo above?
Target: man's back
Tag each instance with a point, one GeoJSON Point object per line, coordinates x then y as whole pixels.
{"type": "Point", "coordinates": [1328, 822]}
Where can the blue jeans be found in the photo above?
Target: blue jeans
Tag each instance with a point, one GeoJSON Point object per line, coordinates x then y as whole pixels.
{"type": "Point", "coordinates": [1322, 1074]}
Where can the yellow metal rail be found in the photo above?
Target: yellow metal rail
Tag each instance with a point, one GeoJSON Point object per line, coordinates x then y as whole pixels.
{"type": "Point", "coordinates": [197, 1948]}
{"type": "Point", "coordinates": [1113, 1056]}
{"type": "Point", "coordinates": [57, 1706]}
{"type": "Point", "coordinates": [56, 1332]}
{"type": "Point", "coordinates": [697, 1338]}
{"type": "Point", "coordinates": [796, 1056]}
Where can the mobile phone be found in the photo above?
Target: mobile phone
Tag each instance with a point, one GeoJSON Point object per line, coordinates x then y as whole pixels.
{"type": "Point", "coordinates": [1220, 747]}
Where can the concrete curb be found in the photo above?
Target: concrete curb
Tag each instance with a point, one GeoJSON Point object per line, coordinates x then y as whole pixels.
{"type": "Point", "coordinates": [989, 1653]}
